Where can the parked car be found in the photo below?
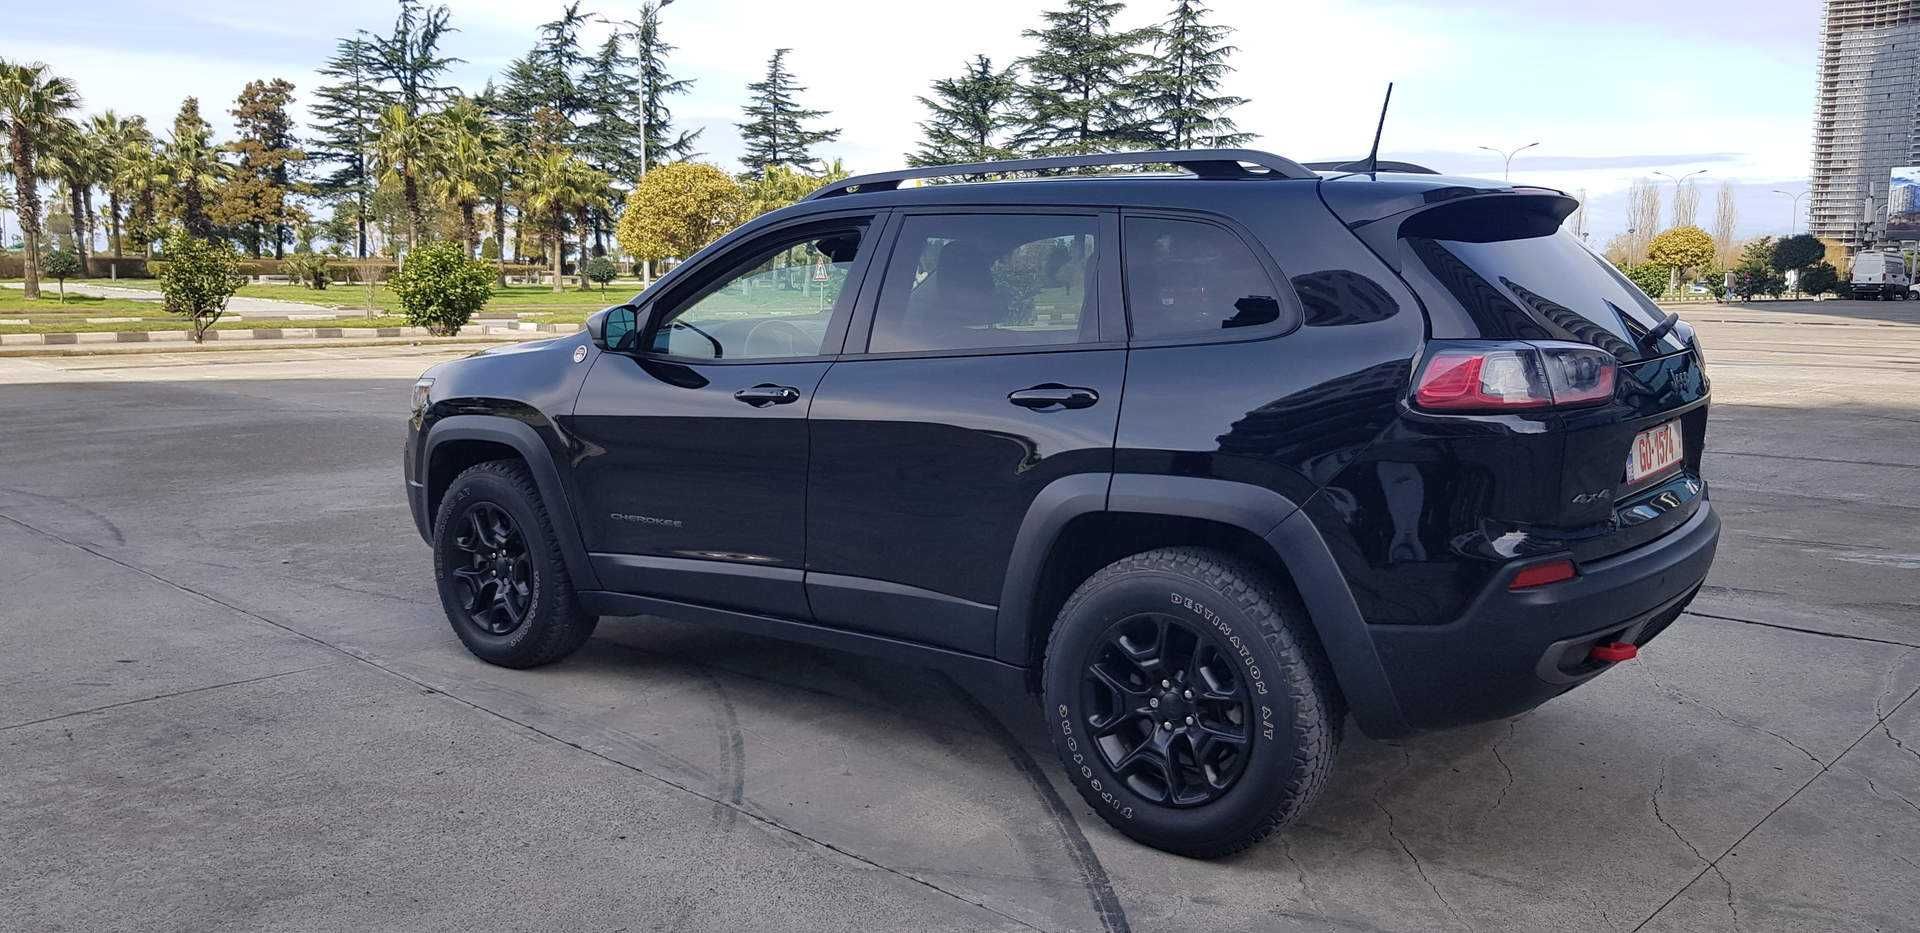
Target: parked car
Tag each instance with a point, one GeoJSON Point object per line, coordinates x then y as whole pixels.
{"type": "Point", "coordinates": [1209, 460]}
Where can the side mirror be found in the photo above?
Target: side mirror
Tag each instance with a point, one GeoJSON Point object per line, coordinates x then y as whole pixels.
{"type": "Point", "coordinates": [618, 329]}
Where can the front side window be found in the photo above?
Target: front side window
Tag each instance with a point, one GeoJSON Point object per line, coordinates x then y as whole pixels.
{"type": "Point", "coordinates": [968, 281]}
{"type": "Point", "coordinates": [1189, 278]}
{"type": "Point", "coordinates": [776, 303]}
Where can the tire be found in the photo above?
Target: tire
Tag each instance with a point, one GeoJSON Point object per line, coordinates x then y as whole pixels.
{"type": "Point", "coordinates": [550, 623]}
{"type": "Point", "coordinates": [1253, 641]}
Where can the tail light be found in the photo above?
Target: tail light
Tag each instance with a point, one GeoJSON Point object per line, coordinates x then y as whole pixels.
{"type": "Point", "coordinates": [1483, 377]}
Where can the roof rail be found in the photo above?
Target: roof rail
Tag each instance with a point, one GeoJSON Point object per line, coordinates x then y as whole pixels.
{"type": "Point", "coordinates": [1361, 165]}
{"type": "Point", "coordinates": [1206, 163]}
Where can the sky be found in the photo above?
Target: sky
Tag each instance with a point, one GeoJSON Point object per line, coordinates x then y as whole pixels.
{"type": "Point", "coordinates": [1611, 91]}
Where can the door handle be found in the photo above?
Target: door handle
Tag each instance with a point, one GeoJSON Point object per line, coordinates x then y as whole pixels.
{"type": "Point", "coordinates": [1052, 396]}
{"type": "Point", "coordinates": [767, 393]}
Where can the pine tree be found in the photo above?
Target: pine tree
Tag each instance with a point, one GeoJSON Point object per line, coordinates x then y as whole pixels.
{"type": "Point", "coordinates": [776, 132]}
{"type": "Point", "coordinates": [344, 113]}
{"type": "Point", "coordinates": [542, 97]}
{"type": "Point", "coordinates": [409, 58]}
{"type": "Point", "coordinates": [256, 199]}
{"type": "Point", "coordinates": [664, 144]}
{"type": "Point", "coordinates": [1078, 95]}
{"type": "Point", "coordinates": [967, 116]}
{"type": "Point", "coordinates": [1178, 91]}
{"type": "Point", "coordinates": [610, 91]}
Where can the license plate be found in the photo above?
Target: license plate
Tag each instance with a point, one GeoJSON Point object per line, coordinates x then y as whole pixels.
{"type": "Point", "coordinates": [1654, 450]}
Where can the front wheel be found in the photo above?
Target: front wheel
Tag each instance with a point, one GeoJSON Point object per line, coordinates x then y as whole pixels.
{"type": "Point", "coordinates": [502, 579]}
{"type": "Point", "coordinates": [1189, 701]}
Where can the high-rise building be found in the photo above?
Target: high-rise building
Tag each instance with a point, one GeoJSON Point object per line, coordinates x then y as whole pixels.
{"type": "Point", "coordinates": [1867, 120]}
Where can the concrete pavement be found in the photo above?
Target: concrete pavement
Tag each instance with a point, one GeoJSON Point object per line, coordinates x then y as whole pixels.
{"type": "Point", "coordinates": [233, 703]}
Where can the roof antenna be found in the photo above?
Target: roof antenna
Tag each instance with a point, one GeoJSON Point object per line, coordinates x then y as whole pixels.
{"type": "Point", "coordinates": [1373, 158]}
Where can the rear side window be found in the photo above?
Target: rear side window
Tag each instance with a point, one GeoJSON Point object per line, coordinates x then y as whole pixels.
{"type": "Point", "coordinates": [970, 281]}
{"type": "Point", "coordinates": [1187, 278]}
{"type": "Point", "coordinates": [1544, 288]}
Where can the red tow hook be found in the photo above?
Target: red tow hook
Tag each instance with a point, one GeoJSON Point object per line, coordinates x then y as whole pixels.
{"type": "Point", "coordinates": [1613, 652]}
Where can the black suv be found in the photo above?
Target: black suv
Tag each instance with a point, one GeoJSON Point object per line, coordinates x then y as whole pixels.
{"type": "Point", "coordinates": [1210, 458]}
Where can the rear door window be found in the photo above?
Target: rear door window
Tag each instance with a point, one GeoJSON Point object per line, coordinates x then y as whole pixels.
{"type": "Point", "coordinates": [971, 281]}
{"type": "Point", "coordinates": [1188, 278]}
{"type": "Point", "coordinates": [1545, 288]}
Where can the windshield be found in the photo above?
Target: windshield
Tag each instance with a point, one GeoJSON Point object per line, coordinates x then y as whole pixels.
{"type": "Point", "coordinates": [1546, 288]}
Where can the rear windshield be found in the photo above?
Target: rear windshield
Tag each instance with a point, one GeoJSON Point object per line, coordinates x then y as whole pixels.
{"type": "Point", "coordinates": [1545, 288]}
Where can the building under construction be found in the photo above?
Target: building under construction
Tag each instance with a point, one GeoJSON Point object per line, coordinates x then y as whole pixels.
{"type": "Point", "coordinates": [1867, 120]}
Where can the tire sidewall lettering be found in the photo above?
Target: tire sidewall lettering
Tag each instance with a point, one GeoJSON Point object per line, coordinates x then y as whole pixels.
{"type": "Point", "coordinates": [1071, 742]}
{"type": "Point", "coordinates": [1242, 651]}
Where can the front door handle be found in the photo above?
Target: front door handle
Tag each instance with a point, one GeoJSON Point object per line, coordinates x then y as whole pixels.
{"type": "Point", "coordinates": [767, 393]}
{"type": "Point", "coordinates": [1052, 396]}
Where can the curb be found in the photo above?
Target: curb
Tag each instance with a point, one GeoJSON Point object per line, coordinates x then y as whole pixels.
{"type": "Point", "coordinates": [233, 335]}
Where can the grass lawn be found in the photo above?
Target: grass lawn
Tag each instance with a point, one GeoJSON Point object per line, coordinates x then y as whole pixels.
{"type": "Point", "coordinates": [13, 303]}
{"type": "Point", "coordinates": [510, 299]}
{"type": "Point", "coordinates": [173, 323]}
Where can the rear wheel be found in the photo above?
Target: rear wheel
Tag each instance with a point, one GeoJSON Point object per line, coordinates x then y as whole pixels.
{"type": "Point", "coordinates": [1189, 701]}
{"type": "Point", "coordinates": [502, 580]}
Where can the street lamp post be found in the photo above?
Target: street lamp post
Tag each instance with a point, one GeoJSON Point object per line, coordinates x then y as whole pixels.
{"type": "Point", "coordinates": [1506, 156]}
{"type": "Point", "coordinates": [1793, 222]}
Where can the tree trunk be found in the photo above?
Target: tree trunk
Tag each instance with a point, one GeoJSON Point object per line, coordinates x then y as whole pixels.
{"type": "Point", "coordinates": [360, 203]}
{"type": "Point", "coordinates": [113, 220]}
{"type": "Point", "coordinates": [412, 192]}
{"type": "Point", "coordinates": [93, 220]}
{"type": "Point", "coordinates": [468, 230]}
{"type": "Point", "coordinates": [580, 263]}
{"type": "Point", "coordinates": [81, 230]}
{"type": "Point", "coordinates": [500, 232]}
{"type": "Point", "coordinates": [559, 240]}
{"type": "Point", "coordinates": [27, 204]}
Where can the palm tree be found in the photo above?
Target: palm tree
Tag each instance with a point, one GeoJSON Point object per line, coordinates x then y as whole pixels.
{"type": "Point", "coordinates": [75, 161]}
{"type": "Point", "coordinates": [558, 184]}
{"type": "Point", "coordinates": [114, 139]}
{"type": "Point", "coordinates": [33, 103]}
{"type": "Point", "coordinates": [469, 148]}
{"type": "Point", "coordinates": [590, 188]}
{"type": "Point", "coordinates": [402, 145]}
{"type": "Point", "coordinates": [139, 176]}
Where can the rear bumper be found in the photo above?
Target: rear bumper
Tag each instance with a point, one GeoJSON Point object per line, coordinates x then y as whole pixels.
{"type": "Point", "coordinates": [1511, 651]}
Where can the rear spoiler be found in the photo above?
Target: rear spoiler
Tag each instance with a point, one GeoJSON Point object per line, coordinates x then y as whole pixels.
{"type": "Point", "coordinates": [1475, 215]}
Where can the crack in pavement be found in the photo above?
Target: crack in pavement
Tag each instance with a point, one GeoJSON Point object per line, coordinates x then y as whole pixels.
{"type": "Point", "coordinates": [1418, 866]}
{"type": "Point", "coordinates": [164, 696]}
{"type": "Point", "coordinates": [1714, 865]}
{"type": "Point", "coordinates": [1804, 631]}
{"type": "Point", "coordinates": [391, 672]}
{"type": "Point", "coordinates": [1675, 693]}
{"type": "Point", "coordinates": [1512, 725]}
{"type": "Point", "coordinates": [1710, 863]}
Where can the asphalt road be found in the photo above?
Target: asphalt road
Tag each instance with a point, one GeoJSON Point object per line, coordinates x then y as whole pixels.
{"type": "Point", "coordinates": [231, 703]}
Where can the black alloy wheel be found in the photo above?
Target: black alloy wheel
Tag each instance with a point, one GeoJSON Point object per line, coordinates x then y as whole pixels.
{"type": "Point", "coordinates": [492, 568]}
{"type": "Point", "coordinates": [1168, 710]}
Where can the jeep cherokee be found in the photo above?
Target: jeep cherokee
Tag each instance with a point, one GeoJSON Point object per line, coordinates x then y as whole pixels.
{"type": "Point", "coordinates": [1210, 457]}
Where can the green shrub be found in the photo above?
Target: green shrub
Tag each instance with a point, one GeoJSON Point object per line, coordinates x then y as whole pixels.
{"type": "Point", "coordinates": [602, 270]}
{"type": "Point", "coordinates": [309, 269]}
{"type": "Point", "coordinates": [61, 265]}
{"type": "Point", "coordinates": [440, 288]}
{"type": "Point", "coordinates": [1651, 277]}
{"type": "Point", "coordinates": [1819, 279]}
{"type": "Point", "coordinates": [197, 279]}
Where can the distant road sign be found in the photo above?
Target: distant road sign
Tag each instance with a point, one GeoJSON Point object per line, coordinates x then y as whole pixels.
{"type": "Point", "coordinates": [820, 269]}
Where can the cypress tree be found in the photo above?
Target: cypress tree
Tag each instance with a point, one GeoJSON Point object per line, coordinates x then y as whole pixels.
{"type": "Point", "coordinates": [967, 117]}
{"type": "Point", "coordinates": [664, 144]}
{"type": "Point", "coordinates": [1178, 91]}
{"type": "Point", "coordinates": [776, 131]}
{"type": "Point", "coordinates": [344, 112]}
{"type": "Point", "coordinates": [1078, 95]}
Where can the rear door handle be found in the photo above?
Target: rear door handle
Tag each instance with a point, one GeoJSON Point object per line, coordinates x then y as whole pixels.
{"type": "Point", "coordinates": [1052, 396]}
{"type": "Point", "coordinates": [767, 393]}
